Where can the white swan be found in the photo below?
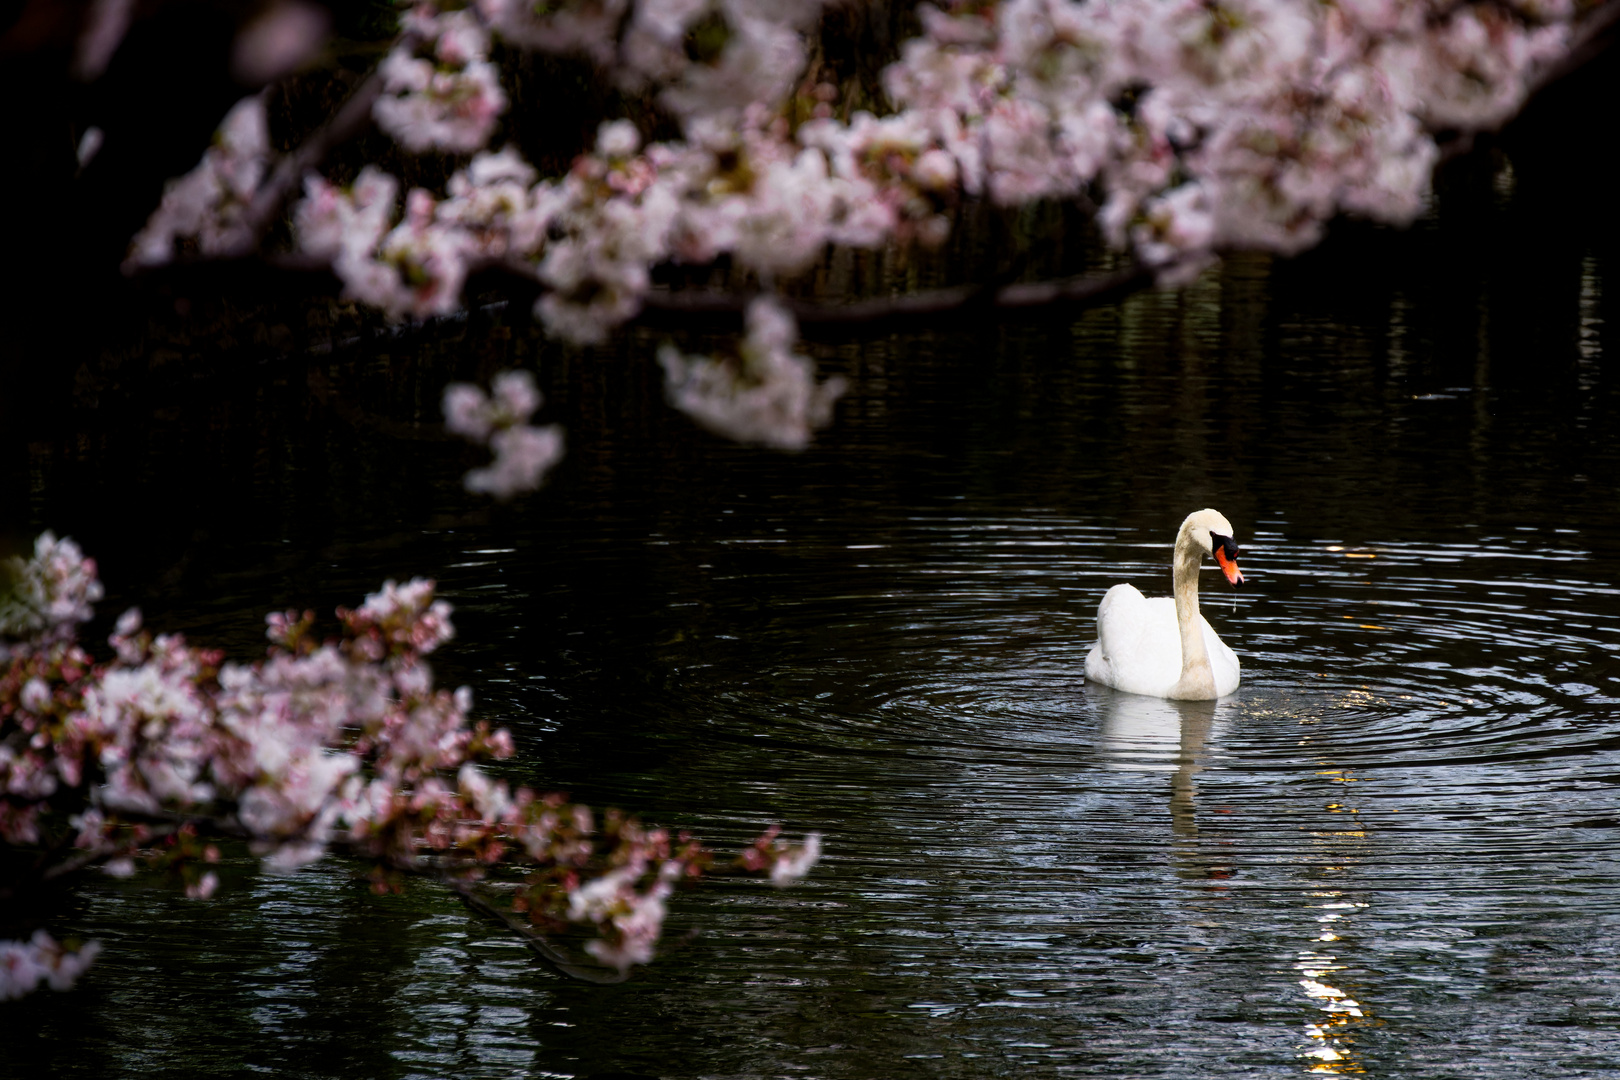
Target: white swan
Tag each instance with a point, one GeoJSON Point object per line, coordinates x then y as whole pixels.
{"type": "Point", "coordinates": [1163, 647]}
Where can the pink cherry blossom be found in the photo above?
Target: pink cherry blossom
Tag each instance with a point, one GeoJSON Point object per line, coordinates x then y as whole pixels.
{"type": "Point", "coordinates": [345, 743]}
{"type": "Point", "coordinates": [580, 26]}
{"type": "Point", "coordinates": [50, 592]}
{"type": "Point", "coordinates": [794, 863]}
{"type": "Point", "coordinates": [766, 395]}
{"type": "Point", "coordinates": [523, 454]}
{"type": "Point", "coordinates": [440, 92]}
{"type": "Point", "coordinates": [208, 204]}
{"type": "Point", "coordinates": [523, 457]}
{"type": "Point", "coordinates": [25, 965]}
{"type": "Point", "coordinates": [278, 41]}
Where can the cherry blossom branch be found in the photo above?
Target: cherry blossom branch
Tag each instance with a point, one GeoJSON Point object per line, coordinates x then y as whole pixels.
{"type": "Point", "coordinates": [1589, 39]}
{"type": "Point", "coordinates": [1246, 136]}
{"type": "Point", "coordinates": [95, 856]}
{"type": "Point", "coordinates": [1198, 128]}
{"type": "Point", "coordinates": [164, 826]}
{"type": "Point", "coordinates": [270, 201]}
{"type": "Point", "coordinates": [344, 745]}
{"type": "Point", "coordinates": [537, 944]}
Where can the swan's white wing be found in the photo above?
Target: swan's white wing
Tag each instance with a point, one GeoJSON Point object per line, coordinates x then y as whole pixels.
{"type": "Point", "coordinates": [1223, 662]}
{"type": "Point", "coordinates": [1138, 646]}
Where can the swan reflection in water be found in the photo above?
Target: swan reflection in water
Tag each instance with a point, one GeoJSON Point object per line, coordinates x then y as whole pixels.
{"type": "Point", "coordinates": [1152, 734]}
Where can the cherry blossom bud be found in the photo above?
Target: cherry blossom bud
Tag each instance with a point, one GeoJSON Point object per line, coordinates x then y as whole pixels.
{"type": "Point", "coordinates": [795, 863]}
{"type": "Point", "coordinates": [36, 695]}
{"type": "Point", "coordinates": [105, 26]}
{"type": "Point", "coordinates": [279, 41]}
{"type": "Point", "coordinates": [89, 145]}
{"type": "Point", "coordinates": [617, 139]}
{"type": "Point", "coordinates": [204, 887]}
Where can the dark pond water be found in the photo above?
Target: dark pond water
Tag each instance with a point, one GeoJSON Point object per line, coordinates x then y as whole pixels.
{"type": "Point", "coordinates": [1394, 852]}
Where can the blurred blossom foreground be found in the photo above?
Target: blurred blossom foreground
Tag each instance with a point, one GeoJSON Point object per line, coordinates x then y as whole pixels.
{"type": "Point", "coordinates": [1188, 129]}
{"type": "Point", "coordinates": [149, 758]}
{"type": "Point", "coordinates": [1193, 127]}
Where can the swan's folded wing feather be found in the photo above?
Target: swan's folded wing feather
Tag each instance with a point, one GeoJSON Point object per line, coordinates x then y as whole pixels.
{"type": "Point", "coordinates": [1223, 662]}
{"type": "Point", "coordinates": [1138, 646]}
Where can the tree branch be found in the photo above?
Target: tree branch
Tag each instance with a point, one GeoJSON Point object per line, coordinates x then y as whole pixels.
{"type": "Point", "coordinates": [1592, 35]}
{"type": "Point", "coordinates": [268, 202]}
{"type": "Point", "coordinates": [1590, 39]}
{"type": "Point", "coordinates": [164, 824]}
{"type": "Point", "coordinates": [536, 943]}
{"type": "Point", "coordinates": [98, 855]}
{"type": "Point", "coordinates": [1085, 290]}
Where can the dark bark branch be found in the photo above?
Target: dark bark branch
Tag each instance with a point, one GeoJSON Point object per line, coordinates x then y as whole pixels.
{"type": "Point", "coordinates": [164, 824]}
{"type": "Point", "coordinates": [268, 202]}
{"type": "Point", "coordinates": [1590, 39]}
{"type": "Point", "coordinates": [1086, 290]}
{"type": "Point", "coordinates": [532, 938]}
{"type": "Point", "coordinates": [90, 858]}
{"type": "Point", "coordinates": [272, 197]}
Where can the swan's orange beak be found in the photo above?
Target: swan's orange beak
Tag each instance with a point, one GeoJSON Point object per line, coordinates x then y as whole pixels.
{"type": "Point", "coordinates": [1229, 566]}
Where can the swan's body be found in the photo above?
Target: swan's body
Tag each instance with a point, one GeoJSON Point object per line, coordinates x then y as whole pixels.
{"type": "Point", "coordinates": [1163, 647]}
{"type": "Point", "coordinates": [1138, 649]}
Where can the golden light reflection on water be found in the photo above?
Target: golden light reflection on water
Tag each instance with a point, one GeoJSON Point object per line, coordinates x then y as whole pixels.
{"type": "Point", "coordinates": [1330, 1035]}
{"type": "Point", "coordinates": [1163, 736]}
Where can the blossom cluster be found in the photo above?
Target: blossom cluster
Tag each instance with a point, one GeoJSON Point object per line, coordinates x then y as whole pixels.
{"type": "Point", "coordinates": [341, 744]}
{"type": "Point", "coordinates": [440, 92]}
{"type": "Point", "coordinates": [1243, 124]}
{"type": "Point", "coordinates": [1200, 127]}
{"type": "Point", "coordinates": [743, 189]}
{"type": "Point", "coordinates": [1196, 127]}
{"type": "Point", "coordinates": [413, 265]}
{"type": "Point", "coordinates": [499, 420]}
{"type": "Point", "coordinates": [206, 207]}
{"type": "Point", "coordinates": [53, 591]}
{"type": "Point", "coordinates": [767, 394]}
{"type": "Point", "coordinates": [784, 862]}
{"type": "Point", "coordinates": [24, 965]}
{"type": "Point", "coordinates": [707, 59]}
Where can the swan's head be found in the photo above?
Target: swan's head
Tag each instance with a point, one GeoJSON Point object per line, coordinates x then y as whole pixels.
{"type": "Point", "coordinates": [1211, 534]}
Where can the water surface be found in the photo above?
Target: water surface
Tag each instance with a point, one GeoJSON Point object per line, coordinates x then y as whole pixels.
{"type": "Point", "coordinates": [1393, 852]}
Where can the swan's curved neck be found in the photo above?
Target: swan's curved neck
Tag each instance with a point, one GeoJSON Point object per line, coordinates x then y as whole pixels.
{"type": "Point", "coordinates": [1197, 677]}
